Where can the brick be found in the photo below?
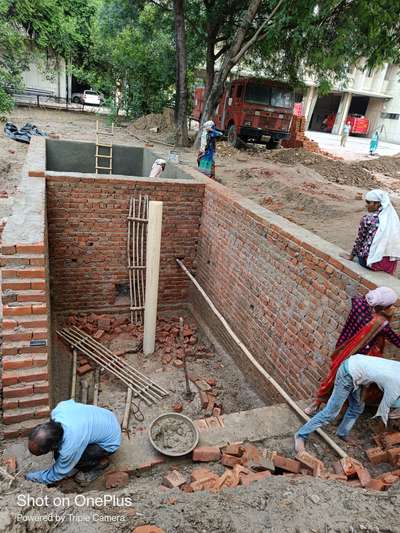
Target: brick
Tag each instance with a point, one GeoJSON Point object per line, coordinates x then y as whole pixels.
{"type": "Point", "coordinates": [12, 363]}
{"type": "Point", "coordinates": [230, 460]}
{"type": "Point", "coordinates": [33, 402]}
{"type": "Point", "coordinates": [177, 407]}
{"type": "Point", "coordinates": [10, 464]}
{"type": "Point", "coordinates": [99, 333]}
{"type": "Point", "coordinates": [16, 285]}
{"type": "Point", "coordinates": [289, 465]}
{"type": "Point", "coordinates": [31, 273]}
{"type": "Point", "coordinates": [203, 399]}
{"type": "Point", "coordinates": [311, 462]}
{"type": "Point", "coordinates": [393, 456]}
{"type": "Point", "coordinates": [234, 449]}
{"type": "Point", "coordinates": [9, 324]}
{"type": "Point", "coordinates": [389, 479]}
{"type": "Point", "coordinates": [375, 484]}
{"type": "Point", "coordinates": [36, 173]}
{"type": "Point", "coordinates": [201, 473]}
{"type": "Point", "coordinates": [206, 453]}
{"type": "Point", "coordinates": [247, 479]}
{"type": "Point", "coordinates": [19, 310]}
{"type": "Point", "coordinates": [116, 480]}
{"type": "Point", "coordinates": [15, 416]}
{"type": "Point", "coordinates": [350, 466]}
{"type": "Point", "coordinates": [363, 475]}
{"type": "Point", "coordinates": [8, 250]}
{"type": "Point", "coordinates": [84, 369]}
{"type": "Point", "coordinates": [390, 439]}
{"type": "Point", "coordinates": [18, 391]}
{"type": "Point", "coordinates": [38, 309]}
{"type": "Point", "coordinates": [37, 248]}
{"type": "Point", "coordinates": [174, 479]}
{"type": "Point", "coordinates": [377, 455]}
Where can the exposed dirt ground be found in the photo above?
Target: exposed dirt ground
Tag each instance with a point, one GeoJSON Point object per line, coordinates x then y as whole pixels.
{"type": "Point", "coordinates": [322, 195]}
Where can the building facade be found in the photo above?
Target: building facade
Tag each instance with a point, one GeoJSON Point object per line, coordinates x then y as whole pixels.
{"type": "Point", "coordinates": [374, 94]}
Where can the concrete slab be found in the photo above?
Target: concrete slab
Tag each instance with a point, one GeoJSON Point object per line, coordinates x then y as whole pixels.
{"type": "Point", "coordinates": [137, 454]}
{"type": "Point", "coordinates": [356, 148]}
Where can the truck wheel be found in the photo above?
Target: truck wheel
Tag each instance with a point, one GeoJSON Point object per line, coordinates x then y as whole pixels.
{"type": "Point", "coordinates": [232, 136]}
{"type": "Point", "coordinates": [271, 145]}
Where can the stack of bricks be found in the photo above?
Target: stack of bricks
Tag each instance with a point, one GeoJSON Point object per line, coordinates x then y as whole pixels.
{"type": "Point", "coordinates": [25, 333]}
{"type": "Point", "coordinates": [298, 138]}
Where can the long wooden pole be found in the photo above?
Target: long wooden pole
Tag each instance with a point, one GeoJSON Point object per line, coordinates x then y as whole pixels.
{"type": "Point", "coordinates": [74, 365]}
{"type": "Point", "coordinates": [261, 369]}
{"type": "Point", "coordinates": [152, 274]}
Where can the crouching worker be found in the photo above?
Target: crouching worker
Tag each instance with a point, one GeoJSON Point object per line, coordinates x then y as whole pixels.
{"type": "Point", "coordinates": [353, 372]}
{"type": "Point", "coordinates": [81, 438]}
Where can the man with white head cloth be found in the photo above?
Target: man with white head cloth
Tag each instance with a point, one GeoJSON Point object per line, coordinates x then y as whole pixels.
{"type": "Point", "coordinates": [377, 245]}
{"type": "Point", "coordinates": [157, 168]}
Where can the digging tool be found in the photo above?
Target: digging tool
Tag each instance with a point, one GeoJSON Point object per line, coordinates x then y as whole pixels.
{"type": "Point", "coordinates": [74, 364]}
{"type": "Point", "coordinates": [96, 386]}
{"type": "Point", "coordinates": [128, 403]}
{"type": "Point", "coordinates": [189, 394]}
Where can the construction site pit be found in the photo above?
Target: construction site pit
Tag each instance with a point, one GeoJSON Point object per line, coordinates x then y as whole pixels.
{"type": "Point", "coordinates": [67, 235]}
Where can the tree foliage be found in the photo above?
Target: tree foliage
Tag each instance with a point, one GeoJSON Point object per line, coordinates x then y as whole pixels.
{"type": "Point", "coordinates": [59, 28]}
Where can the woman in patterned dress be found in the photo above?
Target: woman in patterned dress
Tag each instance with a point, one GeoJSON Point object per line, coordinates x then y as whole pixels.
{"type": "Point", "coordinates": [205, 157]}
{"type": "Point", "coordinates": [377, 245]}
{"type": "Point", "coordinates": [365, 331]}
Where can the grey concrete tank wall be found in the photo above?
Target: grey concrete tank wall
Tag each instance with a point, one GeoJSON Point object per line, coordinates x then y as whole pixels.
{"type": "Point", "coordinates": [78, 156]}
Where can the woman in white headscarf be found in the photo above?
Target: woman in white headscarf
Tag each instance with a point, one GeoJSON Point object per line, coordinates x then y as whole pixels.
{"type": "Point", "coordinates": [205, 157]}
{"type": "Point", "coordinates": [377, 245]}
{"type": "Point", "coordinates": [157, 168]}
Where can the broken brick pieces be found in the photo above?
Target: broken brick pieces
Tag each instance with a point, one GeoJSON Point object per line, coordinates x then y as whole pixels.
{"type": "Point", "coordinates": [230, 460]}
{"type": "Point", "coordinates": [177, 407]}
{"type": "Point", "coordinates": [375, 484]}
{"type": "Point", "coordinates": [390, 439]}
{"type": "Point", "coordinates": [247, 479]}
{"type": "Point", "coordinates": [10, 464]}
{"type": "Point", "coordinates": [377, 455]}
{"type": "Point", "coordinates": [173, 479]}
{"type": "Point", "coordinates": [84, 369]}
{"type": "Point", "coordinates": [148, 529]}
{"type": "Point", "coordinates": [116, 480]}
{"type": "Point", "coordinates": [310, 461]}
{"type": "Point", "coordinates": [363, 475]}
{"type": "Point", "coordinates": [206, 453]}
{"type": "Point", "coordinates": [289, 465]}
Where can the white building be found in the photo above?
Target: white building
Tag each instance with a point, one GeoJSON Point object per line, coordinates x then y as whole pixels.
{"type": "Point", "coordinates": [374, 94]}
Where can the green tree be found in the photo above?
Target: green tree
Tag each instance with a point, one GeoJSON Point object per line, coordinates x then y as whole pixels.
{"type": "Point", "coordinates": [60, 28]}
{"type": "Point", "coordinates": [289, 39]}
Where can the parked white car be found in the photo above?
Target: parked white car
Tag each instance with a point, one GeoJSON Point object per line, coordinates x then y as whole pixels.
{"type": "Point", "coordinates": [88, 97]}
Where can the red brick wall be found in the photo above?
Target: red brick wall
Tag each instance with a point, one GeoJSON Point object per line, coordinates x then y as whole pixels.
{"type": "Point", "coordinates": [87, 224]}
{"type": "Point", "coordinates": [285, 298]}
{"type": "Point", "coordinates": [25, 349]}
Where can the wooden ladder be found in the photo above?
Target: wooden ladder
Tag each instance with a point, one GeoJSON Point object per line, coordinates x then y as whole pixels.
{"type": "Point", "coordinates": [103, 149]}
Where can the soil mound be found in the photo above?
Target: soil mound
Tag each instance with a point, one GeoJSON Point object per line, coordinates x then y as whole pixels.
{"type": "Point", "coordinates": [163, 121]}
{"type": "Point", "coordinates": [356, 174]}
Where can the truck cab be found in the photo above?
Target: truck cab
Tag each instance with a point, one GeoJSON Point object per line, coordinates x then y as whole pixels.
{"type": "Point", "coordinates": [253, 111]}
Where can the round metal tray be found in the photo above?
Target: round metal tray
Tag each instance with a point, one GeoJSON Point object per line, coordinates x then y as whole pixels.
{"type": "Point", "coordinates": [181, 418]}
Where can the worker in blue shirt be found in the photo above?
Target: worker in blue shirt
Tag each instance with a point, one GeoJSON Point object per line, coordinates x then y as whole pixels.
{"type": "Point", "coordinates": [81, 437]}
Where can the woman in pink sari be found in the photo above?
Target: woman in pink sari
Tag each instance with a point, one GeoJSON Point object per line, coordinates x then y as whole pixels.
{"type": "Point", "coordinates": [377, 245]}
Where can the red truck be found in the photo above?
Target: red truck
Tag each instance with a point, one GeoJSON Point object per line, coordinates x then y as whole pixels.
{"type": "Point", "coordinates": [359, 124]}
{"type": "Point", "coordinates": [252, 111]}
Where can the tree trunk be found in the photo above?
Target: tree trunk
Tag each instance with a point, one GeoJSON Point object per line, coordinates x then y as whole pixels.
{"type": "Point", "coordinates": [181, 80]}
{"type": "Point", "coordinates": [228, 62]}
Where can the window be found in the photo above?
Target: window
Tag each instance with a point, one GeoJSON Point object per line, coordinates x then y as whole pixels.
{"type": "Point", "coordinates": [239, 90]}
{"type": "Point", "coordinates": [391, 116]}
{"type": "Point", "coordinates": [281, 98]}
{"type": "Point", "coordinates": [257, 94]}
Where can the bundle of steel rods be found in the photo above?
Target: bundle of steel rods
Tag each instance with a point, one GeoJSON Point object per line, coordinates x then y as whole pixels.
{"type": "Point", "coordinates": [137, 228]}
{"type": "Point", "coordinates": [142, 387]}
